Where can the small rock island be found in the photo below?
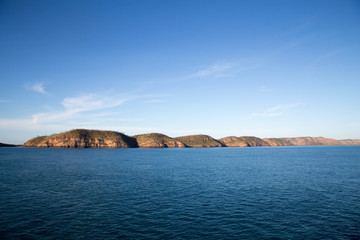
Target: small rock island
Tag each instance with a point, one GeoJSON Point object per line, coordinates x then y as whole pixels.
{"type": "Point", "coordinates": [84, 138]}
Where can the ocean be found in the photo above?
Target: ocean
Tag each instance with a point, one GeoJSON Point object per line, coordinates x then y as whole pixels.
{"type": "Point", "coordinates": [191, 193]}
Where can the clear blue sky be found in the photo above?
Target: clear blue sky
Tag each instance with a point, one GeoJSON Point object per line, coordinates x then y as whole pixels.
{"type": "Point", "coordinates": [262, 68]}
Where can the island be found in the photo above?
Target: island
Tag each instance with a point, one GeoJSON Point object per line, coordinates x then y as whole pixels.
{"type": "Point", "coordinates": [8, 145]}
{"type": "Point", "coordinates": [85, 138]}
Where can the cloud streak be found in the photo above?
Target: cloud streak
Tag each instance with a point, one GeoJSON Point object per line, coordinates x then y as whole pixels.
{"type": "Point", "coordinates": [74, 106]}
{"type": "Point", "coordinates": [225, 69]}
{"type": "Point", "coordinates": [38, 87]}
{"type": "Point", "coordinates": [275, 111]}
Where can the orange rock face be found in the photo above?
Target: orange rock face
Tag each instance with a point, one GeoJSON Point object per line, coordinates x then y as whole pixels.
{"type": "Point", "coordinates": [158, 140]}
{"type": "Point", "coordinates": [82, 138]}
{"type": "Point", "coordinates": [199, 141]}
{"type": "Point", "coordinates": [233, 142]}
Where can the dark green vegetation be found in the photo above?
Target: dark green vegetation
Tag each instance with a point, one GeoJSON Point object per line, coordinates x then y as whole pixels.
{"type": "Point", "coordinates": [83, 138]}
{"type": "Point", "coordinates": [7, 145]}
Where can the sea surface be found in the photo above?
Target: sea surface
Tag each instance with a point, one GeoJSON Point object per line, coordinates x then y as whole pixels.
{"type": "Point", "coordinates": [215, 193]}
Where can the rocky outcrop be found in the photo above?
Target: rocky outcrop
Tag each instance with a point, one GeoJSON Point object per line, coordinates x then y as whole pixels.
{"type": "Point", "coordinates": [82, 138]}
{"type": "Point", "coordinates": [254, 141]}
{"type": "Point", "coordinates": [157, 140]}
{"type": "Point", "coordinates": [233, 141]}
{"type": "Point", "coordinates": [302, 141]}
{"type": "Point", "coordinates": [349, 142]}
{"type": "Point", "coordinates": [200, 141]}
{"type": "Point", "coordinates": [277, 142]}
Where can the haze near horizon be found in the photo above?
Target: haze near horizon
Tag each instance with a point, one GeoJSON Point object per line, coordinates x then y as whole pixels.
{"type": "Point", "coordinates": [258, 68]}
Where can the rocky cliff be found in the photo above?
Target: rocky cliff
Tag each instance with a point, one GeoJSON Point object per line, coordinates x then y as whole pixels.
{"type": "Point", "coordinates": [233, 141]}
{"type": "Point", "coordinates": [83, 138]}
{"type": "Point", "coordinates": [254, 141]}
{"type": "Point", "coordinates": [349, 142]}
{"type": "Point", "coordinates": [157, 140]}
{"type": "Point", "coordinates": [199, 141]}
{"type": "Point", "coordinates": [307, 141]}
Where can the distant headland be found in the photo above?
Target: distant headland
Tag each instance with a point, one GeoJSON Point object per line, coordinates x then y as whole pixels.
{"type": "Point", "coordinates": [84, 138]}
{"type": "Point", "coordinates": [8, 145]}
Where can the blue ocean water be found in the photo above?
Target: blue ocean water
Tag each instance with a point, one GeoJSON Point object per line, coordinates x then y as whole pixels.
{"type": "Point", "coordinates": [216, 193]}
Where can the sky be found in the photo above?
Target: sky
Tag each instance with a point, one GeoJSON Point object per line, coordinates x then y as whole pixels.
{"type": "Point", "coordinates": [217, 67]}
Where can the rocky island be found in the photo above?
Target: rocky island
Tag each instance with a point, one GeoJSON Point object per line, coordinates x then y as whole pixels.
{"type": "Point", "coordinates": [83, 138]}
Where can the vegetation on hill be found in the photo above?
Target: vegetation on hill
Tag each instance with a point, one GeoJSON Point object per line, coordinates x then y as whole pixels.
{"type": "Point", "coordinates": [83, 138]}
{"type": "Point", "coordinates": [278, 142]}
{"type": "Point", "coordinates": [233, 141]}
{"type": "Point", "coordinates": [7, 145]}
{"type": "Point", "coordinates": [254, 141]}
{"type": "Point", "coordinates": [199, 141]}
{"type": "Point", "coordinates": [157, 140]}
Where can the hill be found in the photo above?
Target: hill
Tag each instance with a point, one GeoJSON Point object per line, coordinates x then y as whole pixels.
{"type": "Point", "coordinates": [233, 141]}
{"type": "Point", "coordinates": [199, 141]}
{"type": "Point", "coordinates": [157, 140]}
{"type": "Point", "coordinates": [306, 141]}
{"type": "Point", "coordinates": [254, 141]}
{"type": "Point", "coordinates": [83, 138]}
{"type": "Point", "coordinates": [7, 145]}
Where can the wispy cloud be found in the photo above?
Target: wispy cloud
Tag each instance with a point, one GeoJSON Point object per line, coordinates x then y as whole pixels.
{"type": "Point", "coordinates": [73, 106]}
{"type": "Point", "coordinates": [225, 69]}
{"type": "Point", "coordinates": [275, 111]}
{"type": "Point", "coordinates": [324, 57]}
{"type": "Point", "coordinates": [36, 87]}
{"type": "Point", "coordinates": [154, 101]}
{"type": "Point", "coordinates": [3, 101]}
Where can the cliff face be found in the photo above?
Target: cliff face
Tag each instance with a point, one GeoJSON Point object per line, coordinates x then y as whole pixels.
{"type": "Point", "coordinates": [157, 140]}
{"type": "Point", "coordinates": [350, 142]}
{"type": "Point", "coordinates": [254, 141]}
{"type": "Point", "coordinates": [233, 141]}
{"type": "Point", "coordinates": [302, 141]}
{"type": "Point", "coordinates": [82, 138]}
{"type": "Point", "coordinates": [277, 142]}
{"type": "Point", "coordinates": [199, 141]}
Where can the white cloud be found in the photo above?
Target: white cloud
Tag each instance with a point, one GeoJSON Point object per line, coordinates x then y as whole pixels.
{"type": "Point", "coordinates": [275, 111]}
{"type": "Point", "coordinates": [317, 61]}
{"type": "Point", "coordinates": [155, 101]}
{"type": "Point", "coordinates": [3, 101]}
{"type": "Point", "coordinates": [15, 123]}
{"type": "Point", "coordinates": [220, 70]}
{"type": "Point", "coordinates": [38, 87]}
{"type": "Point", "coordinates": [75, 106]}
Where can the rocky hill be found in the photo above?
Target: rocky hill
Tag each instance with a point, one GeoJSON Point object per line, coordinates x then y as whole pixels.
{"type": "Point", "coordinates": [254, 141]}
{"type": "Point", "coordinates": [200, 141]}
{"type": "Point", "coordinates": [302, 141]}
{"type": "Point", "coordinates": [83, 138]}
{"type": "Point", "coordinates": [233, 141]}
{"type": "Point", "coordinates": [157, 140]}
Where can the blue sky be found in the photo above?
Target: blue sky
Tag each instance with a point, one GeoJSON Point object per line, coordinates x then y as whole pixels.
{"type": "Point", "coordinates": [262, 68]}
